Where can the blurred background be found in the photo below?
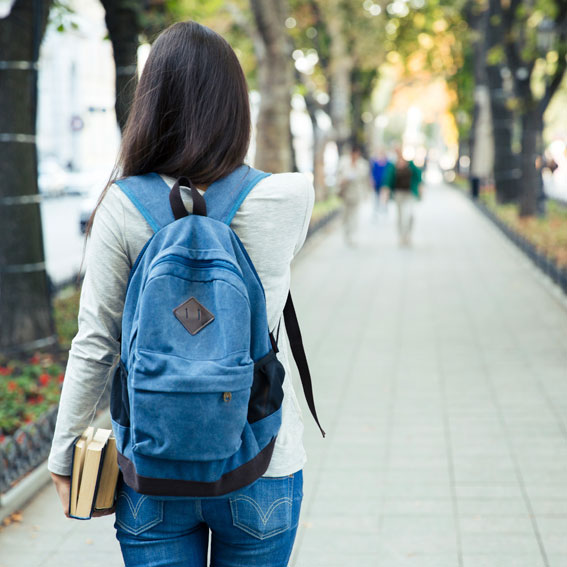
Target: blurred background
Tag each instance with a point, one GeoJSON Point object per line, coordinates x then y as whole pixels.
{"type": "Point", "coordinates": [474, 92]}
{"type": "Point", "coordinates": [433, 76]}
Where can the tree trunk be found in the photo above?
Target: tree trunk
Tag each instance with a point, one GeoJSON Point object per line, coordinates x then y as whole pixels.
{"type": "Point", "coordinates": [122, 22]}
{"type": "Point", "coordinates": [362, 83]}
{"type": "Point", "coordinates": [482, 164]}
{"type": "Point", "coordinates": [481, 142]}
{"type": "Point", "coordinates": [532, 198]}
{"type": "Point", "coordinates": [293, 158]}
{"type": "Point", "coordinates": [319, 144]}
{"type": "Point", "coordinates": [25, 306]}
{"type": "Point", "coordinates": [357, 124]}
{"type": "Point", "coordinates": [507, 174]}
{"type": "Point", "coordinates": [273, 145]}
{"type": "Point", "coordinates": [340, 67]}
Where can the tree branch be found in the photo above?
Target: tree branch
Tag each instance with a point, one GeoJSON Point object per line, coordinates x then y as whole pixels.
{"type": "Point", "coordinates": [511, 46]}
{"type": "Point", "coordinates": [247, 27]}
{"type": "Point", "coordinates": [561, 25]}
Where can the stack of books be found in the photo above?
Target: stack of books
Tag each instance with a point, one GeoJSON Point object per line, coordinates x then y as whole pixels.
{"type": "Point", "coordinates": [95, 473]}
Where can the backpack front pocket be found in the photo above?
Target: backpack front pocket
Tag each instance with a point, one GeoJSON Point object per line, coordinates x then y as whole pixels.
{"type": "Point", "coordinates": [186, 410]}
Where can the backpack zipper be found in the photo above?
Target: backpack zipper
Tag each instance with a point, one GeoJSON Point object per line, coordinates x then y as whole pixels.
{"type": "Point", "coordinates": [199, 264]}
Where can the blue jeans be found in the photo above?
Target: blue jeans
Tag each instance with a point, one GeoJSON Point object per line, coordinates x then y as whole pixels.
{"type": "Point", "coordinates": [254, 526]}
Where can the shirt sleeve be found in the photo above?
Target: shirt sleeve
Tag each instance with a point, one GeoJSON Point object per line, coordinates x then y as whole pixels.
{"type": "Point", "coordinates": [95, 348]}
{"type": "Point", "coordinates": [309, 200]}
{"type": "Point", "coordinates": [272, 224]}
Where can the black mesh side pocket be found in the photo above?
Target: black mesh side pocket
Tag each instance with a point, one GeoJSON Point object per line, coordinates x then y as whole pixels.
{"type": "Point", "coordinates": [267, 392]}
{"type": "Point", "coordinates": [119, 401]}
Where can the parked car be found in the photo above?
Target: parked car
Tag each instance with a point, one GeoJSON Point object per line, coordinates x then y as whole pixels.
{"type": "Point", "coordinates": [87, 207]}
{"type": "Point", "coordinates": [52, 178]}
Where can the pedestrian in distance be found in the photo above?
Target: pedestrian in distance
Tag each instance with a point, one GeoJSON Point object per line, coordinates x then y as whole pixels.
{"type": "Point", "coordinates": [403, 180]}
{"type": "Point", "coordinates": [378, 166]}
{"type": "Point", "coordinates": [353, 179]}
{"type": "Point", "coordinates": [180, 169]}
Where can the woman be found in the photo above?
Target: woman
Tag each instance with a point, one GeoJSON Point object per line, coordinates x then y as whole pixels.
{"type": "Point", "coordinates": [190, 117]}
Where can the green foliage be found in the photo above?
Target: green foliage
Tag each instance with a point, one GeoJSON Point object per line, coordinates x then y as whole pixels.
{"type": "Point", "coordinates": [496, 55]}
{"type": "Point", "coordinates": [323, 208]}
{"type": "Point", "coordinates": [232, 20]}
{"type": "Point", "coordinates": [495, 20]}
{"type": "Point", "coordinates": [198, 10]}
{"type": "Point", "coordinates": [463, 84]}
{"type": "Point", "coordinates": [533, 35]}
{"type": "Point", "coordinates": [62, 16]}
{"type": "Point", "coordinates": [66, 309]}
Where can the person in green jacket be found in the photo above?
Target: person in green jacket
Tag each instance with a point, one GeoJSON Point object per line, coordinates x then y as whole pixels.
{"type": "Point", "coordinates": [403, 179]}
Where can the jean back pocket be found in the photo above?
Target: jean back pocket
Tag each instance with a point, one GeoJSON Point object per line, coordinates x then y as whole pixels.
{"type": "Point", "coordinates": [264, 509]}
{"type": "Point", "coordinates": [137, 513]}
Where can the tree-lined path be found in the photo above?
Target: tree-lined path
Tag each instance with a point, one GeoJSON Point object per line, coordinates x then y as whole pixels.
{"type": "Point", "coordinates": [440, 376]}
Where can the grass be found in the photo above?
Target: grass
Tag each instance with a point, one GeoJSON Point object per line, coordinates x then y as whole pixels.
{"type": "Point", "coordinates": [548, 234]}
{"type": "Point", "coordinates": [65, 310]}
{"type": "Point", "coordinates": [322, 208]}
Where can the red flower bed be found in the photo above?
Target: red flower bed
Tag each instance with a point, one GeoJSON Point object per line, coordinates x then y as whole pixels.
{"type": "Point", "coordinates": [28, 388]}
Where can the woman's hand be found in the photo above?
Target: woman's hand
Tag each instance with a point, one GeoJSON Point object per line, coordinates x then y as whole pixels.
{"type": "Point", "coordinates": [63, 487]}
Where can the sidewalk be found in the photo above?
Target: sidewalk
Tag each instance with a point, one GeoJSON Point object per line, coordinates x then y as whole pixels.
{"type": "Point", "coordinates": [440, 374]}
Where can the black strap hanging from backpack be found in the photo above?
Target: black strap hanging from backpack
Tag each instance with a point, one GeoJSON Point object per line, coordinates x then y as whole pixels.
{"type": "Point", "coordinates": [176, 202]}
{"type": "Point", "coordinates": [296, 343]}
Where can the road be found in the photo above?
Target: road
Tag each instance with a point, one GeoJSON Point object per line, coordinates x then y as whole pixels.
{"type": "Point", "coordinates": [63, 242]}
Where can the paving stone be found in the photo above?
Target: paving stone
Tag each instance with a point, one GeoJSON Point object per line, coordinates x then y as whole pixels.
{"type": "Point", "coordinates": [499, 543]}
{"type": "Point", "coordinates": [497, 524]}
{"type": "Point", "coordinates": [504, 560]}
{"type": "Point", "coordinates": [549, 507]}
{"type": "Point", "coordinates": [552, 525]}
{"type": "Point", "coordinates": [475, 491]}
{"type": "Point", "coordinates": [495, 507]}
{"type": "Point", "coordinates": [557, 560]}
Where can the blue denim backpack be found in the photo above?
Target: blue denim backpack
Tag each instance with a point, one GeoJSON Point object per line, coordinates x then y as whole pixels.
{"type": "Point", "coordinates": [196, 398]}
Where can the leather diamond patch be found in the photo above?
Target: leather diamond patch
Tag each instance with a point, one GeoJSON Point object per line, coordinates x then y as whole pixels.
{"type": "Point", "coordinates": [193, 316]}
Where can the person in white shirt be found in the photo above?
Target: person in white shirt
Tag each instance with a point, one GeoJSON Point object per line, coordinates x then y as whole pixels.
{"type": "Point", "coordinates": [354, 184]}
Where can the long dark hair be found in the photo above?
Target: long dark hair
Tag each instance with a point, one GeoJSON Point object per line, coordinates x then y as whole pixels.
{"type": "Point", "coordinates": [190, 115]}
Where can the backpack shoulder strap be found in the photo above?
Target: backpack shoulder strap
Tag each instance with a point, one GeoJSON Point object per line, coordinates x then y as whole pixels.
{"type": "Point", "coordinates": [224, 197]}
{"type": "Point", "coordinates": [149, 193]}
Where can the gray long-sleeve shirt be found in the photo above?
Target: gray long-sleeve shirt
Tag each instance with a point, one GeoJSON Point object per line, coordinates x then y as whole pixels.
{"type": "Point", "coordinates": [271, 223]}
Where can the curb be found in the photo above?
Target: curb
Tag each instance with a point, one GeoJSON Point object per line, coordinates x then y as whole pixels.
{"type": "Point", "coordinates": [18, 496]}
{"type": "Point", "coordinates": [323, 222]}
